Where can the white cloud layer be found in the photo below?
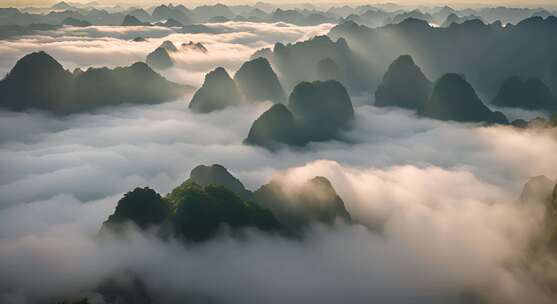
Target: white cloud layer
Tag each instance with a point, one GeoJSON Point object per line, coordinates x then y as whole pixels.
{"type": "Point", "coordinates": [442, 194]}
{"type": "Point", "coordinates": [113, 46]}
{"type": "Point", "coordinates": [436, 199]}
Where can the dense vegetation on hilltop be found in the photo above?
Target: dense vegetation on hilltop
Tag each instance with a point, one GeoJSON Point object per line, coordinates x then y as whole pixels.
{"type": "Point", "coordinates": [212, 199]}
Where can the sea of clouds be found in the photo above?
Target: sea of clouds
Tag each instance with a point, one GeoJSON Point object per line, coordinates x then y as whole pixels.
{"type": "Point", "coordinates": [436, 200]}
{"type": "Point", "coordinates": [96, 46]}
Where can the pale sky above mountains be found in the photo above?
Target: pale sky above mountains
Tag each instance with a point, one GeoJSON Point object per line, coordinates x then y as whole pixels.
{"type": "Point", "coordinates": [456, 3]}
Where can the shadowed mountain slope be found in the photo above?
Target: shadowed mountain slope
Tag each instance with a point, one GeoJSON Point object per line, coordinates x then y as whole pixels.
{"type": "Point", "coordinates": [404, 85]}
{"type": "Point", "coordinates": [531, 94]}
{"type": "Point", "coordinates": [453, 98]}
{"type": "Point", "coordinates": [486, 54]}
{"type": "Point", "coordinates": [218, 92]}
{"type": "Point", "coordinates": [159, 59]}
{"type": "Point", "coordinates": [317, 111]}
{"type": "Point", "coordinates": [39, 81]}
{"type": "Point", "coordinates": [258, 82]}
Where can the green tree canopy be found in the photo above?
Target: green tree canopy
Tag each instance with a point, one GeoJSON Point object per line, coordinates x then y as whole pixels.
{"type": "Point", "coordinates": [142, 206]}
{"type": "Point", "coordinates": [200, 211]}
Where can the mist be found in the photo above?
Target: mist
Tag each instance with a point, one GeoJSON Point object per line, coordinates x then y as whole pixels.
{"type": "Point", "coordinates": [448, 210]}
{"type": "Point", "coordinates": [96, 46]}
{"type": "Point", "coordinates": [435, 203]}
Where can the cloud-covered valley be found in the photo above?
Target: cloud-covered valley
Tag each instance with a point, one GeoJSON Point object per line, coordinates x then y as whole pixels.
{"type": "Point", "coordinates": [229, 45]}
{"type": "Point", "coordinates": [446, 207]}
{"type": "Point", "coordinates": [435, 201]}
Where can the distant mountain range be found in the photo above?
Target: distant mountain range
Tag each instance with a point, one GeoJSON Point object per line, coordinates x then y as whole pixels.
{"type": "Point", "coordinates": [451, 97]}
{"type": "Point", "coordinates": [485, 54]}
{"type": "Point", "coordinates": [479, 59]}
{"type": "Point", "coordinates": [369, 15]}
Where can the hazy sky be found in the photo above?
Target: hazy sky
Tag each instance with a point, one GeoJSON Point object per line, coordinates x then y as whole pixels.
{"type": "Point", "coordinates": [5, 3]}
